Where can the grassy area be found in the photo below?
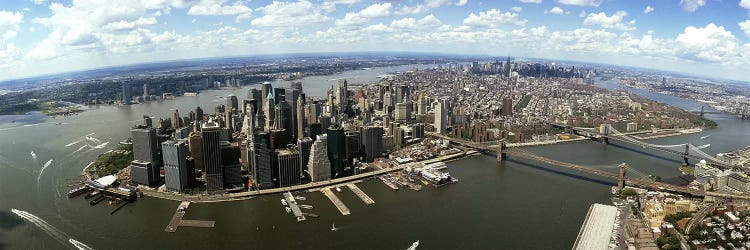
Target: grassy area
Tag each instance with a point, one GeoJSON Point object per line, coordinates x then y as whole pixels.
{"type": "Point", "coordinates": [523, 103]}
{"type": "Point", "coordinates": [111, 162]}
{"type": "Point", "coordinates": [706, 123]}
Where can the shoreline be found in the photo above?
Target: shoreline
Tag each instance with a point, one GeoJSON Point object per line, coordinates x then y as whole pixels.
{"type": "Point", "coordinates": [246, 195]}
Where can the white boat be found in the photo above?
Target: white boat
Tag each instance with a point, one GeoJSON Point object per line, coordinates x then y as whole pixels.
{"type": "Point", "coordinates": [333, 227]}
{"type": "Point", "coordinates": [283, 202]}
{"type": "Point", "coordinates": [413, 246]}
{"type": "Point", "coordinates": [288, 210]}
{"type": "Point", "coordinates": [302, 198]}
{"type": "Point", "coordinates": [306, 206]}
{"type": "Point", "coordinates": [338, 189]}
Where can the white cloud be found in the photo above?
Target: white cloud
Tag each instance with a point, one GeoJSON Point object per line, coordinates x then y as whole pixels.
{"type": "Point", "coordinates": [462, 2]}
{"type": "Point", "coordinates": [516, 9]}
{"type": "Point", "coordinates": [555, 10]}
{"type": "Point", "coordinates": [692, 5]}
{"type": "Point", "coordinates": [425, 6]}
{"type": "Point", "coordinates": [342, 1]}
{"type": "Point", "coordinates": [648, 9]}
{"type": "Point", "coordinates": [531, 1]}
{"type": "Point", "coordinates": [745, 26]}
{"type": "Point", "coordinates": [493, 18]}
{"type": "Point", "coordinates": [125, 25]}
{"type": "Point", "coordinates": [616, 21]}
{"type": "Point", "coordinates": [377, 10]}
{"type": "Point", "coordinates": [39, 2]}
{"type": "Point", "coordinates": [711, 43]}
{"type": "Point", "coordinates": [9, 24]}
{"type": "Point", "coordinates": [215, 8]}
{"type": "Point", "coordinates": [745, 4]}
{"type": "Point", "coordinates": [352, 19]}
{"type": "Point", "coordinates": [593, 3]}
{"type": "Point", "coordinates": [298, 13]}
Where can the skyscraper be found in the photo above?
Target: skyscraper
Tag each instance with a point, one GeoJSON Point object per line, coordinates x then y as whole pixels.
{"type": "Point", "coordinates": [441, 117]}
{"type": "Point", "coordinates": [289, 168]}
{"type": "Point", "coordinates": [422, 105]}
{"type": "Point", "coordinates": [284, 119]}
{"type": "Point", "coordinates": [145, 145]}
{"type": "Point", "coordinates": [126, 97]}
{"type": "Point", "coordinates": [195, 143]}
{"type": "Point", "coordinates": [145, 89]}
{"type": "Point", "coordinates": [212, 157]}
{"type": "Point", "coordinates": [303, 145]}
{"type": "Point", "coordinates": [318, 165]}
{"type": "Point", "coordinates": [403, 111]}
{"type": "Point", "coordinates": [231, 167]}
{"type": "Point", "coordinates": [507, 108]}
{"type": "Point", "coordinates": [300, 119]}
{"type": "Point", "coordinates": [372, 142]}
{"type": "Point", "coordinates": [263, 171]}
{"type": "Point", "coordinates": [233, 103]}
{"type": "Point", "coordinates": [176, 174]}
{"type": "Point", "coordinates": [336, 150]}
{"type": "Point", "coordinates": [266, 89]}
{"type": "Point", "coordinates": [269, 107]}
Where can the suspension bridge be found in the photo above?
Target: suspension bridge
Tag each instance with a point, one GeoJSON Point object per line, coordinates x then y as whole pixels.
{"type": "Point", "coordinates": [504, 150]}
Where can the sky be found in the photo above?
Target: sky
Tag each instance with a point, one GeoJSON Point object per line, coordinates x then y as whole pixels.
{"type": "Point", "coordinates": [706, 37]}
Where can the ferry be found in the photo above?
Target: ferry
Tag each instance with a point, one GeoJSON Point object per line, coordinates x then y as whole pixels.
{"type": "Point", "coordinates": [77, 191]}
{"type": "Point", "coordinates": [388, 182]}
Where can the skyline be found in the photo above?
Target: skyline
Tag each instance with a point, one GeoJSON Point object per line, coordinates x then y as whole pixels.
{"type": "Point", "coordinates": [42, 37]}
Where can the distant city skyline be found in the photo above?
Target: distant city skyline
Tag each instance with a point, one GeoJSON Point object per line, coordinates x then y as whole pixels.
{"type": "Point", "coordinates": [711, 38]}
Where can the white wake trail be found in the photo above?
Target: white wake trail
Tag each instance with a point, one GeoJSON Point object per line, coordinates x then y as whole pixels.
{"type": "Point", "coordinates": [706, 136]}
{"type": "Point", "coordinates": [58, 235]}
{"type": "Point", "coordinates": [39, 177]}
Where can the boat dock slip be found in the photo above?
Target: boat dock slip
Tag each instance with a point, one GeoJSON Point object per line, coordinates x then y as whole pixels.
{"type": "Point", "coordinates": [177, 220]}
{"type": "Point", "coordinates": [340, 205]}
{"type": "Point", "coordinates": [365, 198]}
{"type": "Point", "coordinates": [293, 206]}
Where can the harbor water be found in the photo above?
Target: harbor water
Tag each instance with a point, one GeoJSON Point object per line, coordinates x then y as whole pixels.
{"type": "Point", "coordinates": [515, 205]}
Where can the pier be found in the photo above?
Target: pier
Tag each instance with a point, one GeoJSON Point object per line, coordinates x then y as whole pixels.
{"type": "Point", "coordinates": [335, 199]}
{"type": "Point", "coordinates": [177, 220]}
{"type": "Point", "coordinates": [294, 207]}
{"type": "Point", "coordinates": [365, 198]}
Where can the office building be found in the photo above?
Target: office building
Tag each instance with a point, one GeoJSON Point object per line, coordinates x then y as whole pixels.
{"type": "Point", "coordinates": [263, 172]}
{"type": "Point", "coordinates": [231, 166]}
{"type": "Point", "coordinates": [126, 95]}
{"type": "Point", "coordinates": [211, 134]}
{"type": "Point", "coordinates": [441, 117]}
{"type": "Point", "coordinates": [142, 172]}
{"type": "Point", "coordinates": [303, 145]}
{"type": "Point", "coordinates": [372, 142]}
{"type": "Point", "coordinates": [403, 111]}
{"type": "Point", "coordinates": [233, 103]}
{"type": "Point", "coordinates": [319, 167]}
{"type": "Point", "coordinates": [289, 168]}
{"type": "Point", "coordinates": [336, 150]}
{"type": "Point", "coordinates": [195, 143]}
{"type": "Point", "coordinates": [175, 155]}
{"type": "Point", "coordinates": [507, 108]}
{"type": "Point", "coordinates": [300, 119]}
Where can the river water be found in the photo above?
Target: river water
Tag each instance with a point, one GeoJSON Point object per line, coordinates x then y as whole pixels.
{"type": "Point", "coordinates": [518, 204]}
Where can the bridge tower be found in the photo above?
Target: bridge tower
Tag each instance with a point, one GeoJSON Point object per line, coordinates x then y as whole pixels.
{"type": "Point", "coordinates": [702, 110]}
{"type": "Point", "coordinates": [621, 177]}
{"type": "Point", "coordinates": [686, 156]}
{"type": "Point", "coordinates": [605, 129]}
{"type": "Point", "coordinates": [501, 155]}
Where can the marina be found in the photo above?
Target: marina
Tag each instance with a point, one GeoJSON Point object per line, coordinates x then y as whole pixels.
{"type": "Point", "coordinates": [293, 207]}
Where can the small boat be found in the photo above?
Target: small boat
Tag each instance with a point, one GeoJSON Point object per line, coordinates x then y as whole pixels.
{"type": "Point", "coordinates": [338, 189]}
{"type": "Point", "coordinates": [333, 227]}
{"type": "Point", "coordinates": [302, 198]}
{"type": "Point", "coordinates": [413, 246]}
{"type": "Point", "coordinates": [288, 210]}
{"type": "Point", "coordinates": [283, 202]}
{"type": "Point", "coordinates": [306, 206]}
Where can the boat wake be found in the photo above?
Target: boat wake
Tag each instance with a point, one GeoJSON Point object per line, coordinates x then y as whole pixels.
{"type": "Point", "coordinates": [79, 149]}
{"type": "Point", "coordinates": [42, 170]}
{"type": "Point", "coordinates": [79, 245]}
{"type": "Point", "coordinates": [79, 140]}
{"type": "Point", "coordinates": [101, 145]}
{"type": "Point", "coordinates": [704, 146]}
{"type": "Point", "coordinates": [49, 229]}
{"type": "Point", "coordinates": [33, 156]}
{"type": "Point", "coordinates": [705, 136]}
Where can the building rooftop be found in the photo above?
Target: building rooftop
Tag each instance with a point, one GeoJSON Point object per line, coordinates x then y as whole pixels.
{"type": "Point", "coordinates": [597, 228]}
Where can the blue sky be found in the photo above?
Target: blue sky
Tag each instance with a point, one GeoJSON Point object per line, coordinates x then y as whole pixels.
{"type": "Point", "coordinates": [709, 37]}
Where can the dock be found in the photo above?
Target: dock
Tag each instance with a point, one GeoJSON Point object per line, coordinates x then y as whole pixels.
{"type": "Point", "coordinates": [293, 205]}
{"type": "Point", "coordinates": [340, 205]}
{"type": "Point", "coordinates": [362, 195]}
{"type": "Point", "coordinates": [177, 220]}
